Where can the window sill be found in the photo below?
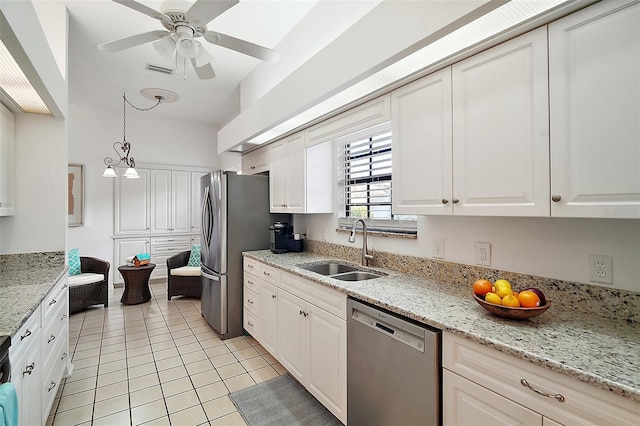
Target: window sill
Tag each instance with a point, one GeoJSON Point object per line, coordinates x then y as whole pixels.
{"type": "Point", "coordinates": [385, 234]}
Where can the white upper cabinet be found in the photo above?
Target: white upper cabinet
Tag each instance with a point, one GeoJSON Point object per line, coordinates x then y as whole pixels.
{"type": "Point", "coordinates": [170, 201]}
{"type": "Point", "coordinates": [421, 129]}
{"type": "Point", "coordinates": [132, 203]}
{"type": "Point", "coordinates": [255, 162]}
{"type": "Point", "coordinates": [501, 130]}
{"type": "Point", "coordinates": [7, 144]}
{"type": "Point", "coordinates": [196, 201]}
{"type": "Point", "coordinates": [594, 64]}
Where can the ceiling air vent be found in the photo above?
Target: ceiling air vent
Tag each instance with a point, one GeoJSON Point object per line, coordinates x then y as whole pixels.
{"type": "Point", "coordinates": [159, 69]}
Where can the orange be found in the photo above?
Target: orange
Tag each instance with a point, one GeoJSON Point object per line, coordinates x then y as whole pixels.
{"type": "Point", "coordinates": [528, 299]}
{"type": "Point", "coordinates": [481, 287]}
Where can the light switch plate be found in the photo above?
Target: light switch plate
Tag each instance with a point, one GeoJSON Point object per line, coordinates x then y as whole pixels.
{"type": "Point", "coordinates": [438, 248]}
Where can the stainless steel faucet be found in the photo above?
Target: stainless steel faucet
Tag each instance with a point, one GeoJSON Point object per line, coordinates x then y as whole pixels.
{"type": "Point", "coordinates": [352, 239]}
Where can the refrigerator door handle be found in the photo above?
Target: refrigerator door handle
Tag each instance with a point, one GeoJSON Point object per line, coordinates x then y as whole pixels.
{"type": "Point", "coordinates": [211, 277]}
{"type": "Point", "coordinates": [205, 217]}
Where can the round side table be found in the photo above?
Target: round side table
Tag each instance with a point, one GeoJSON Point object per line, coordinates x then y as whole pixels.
{"type": "Point", "coordinates": [136, 283]}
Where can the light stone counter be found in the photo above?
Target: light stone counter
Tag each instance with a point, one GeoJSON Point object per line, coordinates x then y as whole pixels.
{"type": "Point", "coordinates": [25, 280]}
{"type": "Point", "coordinates": [571, 337]}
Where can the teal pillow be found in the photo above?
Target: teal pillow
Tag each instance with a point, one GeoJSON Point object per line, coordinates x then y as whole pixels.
{"type": "Point", "coordinates": [74, 262]}
{"type": "Point", "coordinates": [194, 257]}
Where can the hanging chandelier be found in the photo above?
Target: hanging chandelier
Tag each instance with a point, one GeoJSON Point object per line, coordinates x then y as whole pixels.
{"type": "Point", "coordinates": [123, 149]}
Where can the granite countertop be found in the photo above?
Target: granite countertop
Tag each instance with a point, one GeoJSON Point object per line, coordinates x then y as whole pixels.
{"type": "Point", "coordinates": [22, 291]}
{"type": "Point", "coordinates": [565, 339]}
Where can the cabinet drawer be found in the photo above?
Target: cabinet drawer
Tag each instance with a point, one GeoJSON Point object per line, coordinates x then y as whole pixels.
{"type": "Point", "coordinates": [270, 275]}
{"type": "Point", "coordinates": [29, 332]}
{"type": "Point", "coordinates": [250, 322]}
{"type": "Point", "coordinates": [172, 240]}
{"type": "Point", "coordinates": [583, 403]}
{"type": "Point", "coordinates": [252, 266]}
{"type": "Point", "coordinates": [167, 251]}
{"type": "Point", "coordinates": [252, 282]}
{"type": "Point", "coordinates": [55, 331]}
{"type": "Point", "coordinates": [251, 301]}
{"type": "Point", "coordinates": [323, 297]}
{"type": "Point", "coordinates": [59, 294]}
{"type": "Point", "coordinates": [52, 379]}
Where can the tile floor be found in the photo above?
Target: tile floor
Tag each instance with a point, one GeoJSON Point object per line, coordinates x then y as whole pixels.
{"type": "Point", "coordinates": [157, 363]}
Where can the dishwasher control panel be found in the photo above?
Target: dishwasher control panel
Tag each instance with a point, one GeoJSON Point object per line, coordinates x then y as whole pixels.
{"type": "Point", "coordinates": [393, 331]}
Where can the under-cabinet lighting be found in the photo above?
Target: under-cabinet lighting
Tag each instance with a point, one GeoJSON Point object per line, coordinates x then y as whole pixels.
{"type": "Point", "coordinates": [17, 86]}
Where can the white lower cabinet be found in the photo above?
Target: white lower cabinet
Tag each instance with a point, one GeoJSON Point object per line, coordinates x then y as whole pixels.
{"type": "Point", "coordinates": [483, 386]}
{"type": "Point", "coordinates": [303, 325]}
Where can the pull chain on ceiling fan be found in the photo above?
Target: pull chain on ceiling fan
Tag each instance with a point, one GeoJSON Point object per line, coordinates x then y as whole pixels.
{"type": "Point", "coordinates": [182, 29]}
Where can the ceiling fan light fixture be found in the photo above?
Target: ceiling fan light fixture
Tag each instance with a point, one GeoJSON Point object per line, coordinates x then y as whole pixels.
{"type": "Point", "coordinates": [186, 46]}
{"type": "Point", "coordinates": [166, 47]}
{"type": "Point", "coordinates": [203, 57]}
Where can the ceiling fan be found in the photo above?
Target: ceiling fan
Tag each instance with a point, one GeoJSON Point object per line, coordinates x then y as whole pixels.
{"type": "Point", "coordinates": [181, 30]}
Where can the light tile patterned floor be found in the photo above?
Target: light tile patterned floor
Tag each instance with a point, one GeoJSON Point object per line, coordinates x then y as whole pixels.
{"type": "Point", "coordinates": [157, 363]}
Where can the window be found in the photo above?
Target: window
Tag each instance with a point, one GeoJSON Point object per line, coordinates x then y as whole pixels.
{"type": "Point", "coordinates": [364, 181]}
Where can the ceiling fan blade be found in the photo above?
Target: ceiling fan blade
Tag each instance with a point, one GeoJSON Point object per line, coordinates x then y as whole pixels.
{"type": "Point", "coordinates": [125, 43]}
{"type": "Point", "coordinates": [204, 72]}
{"type": "Point", "coordinates": [144, 9]}
{"type": "Point", "coordinates": [208, 10]}
{"type": "Point", "coordinates": [242, 46]}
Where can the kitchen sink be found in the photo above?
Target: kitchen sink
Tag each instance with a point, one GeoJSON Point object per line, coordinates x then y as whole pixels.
{"type": "Point", "coordinates": [340, 271]}
{"type": "Point", "coordinates": [329, 268]}
{"type": "Point", "coordinates": [356, 276]}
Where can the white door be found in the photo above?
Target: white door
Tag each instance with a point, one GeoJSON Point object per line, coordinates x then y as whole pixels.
{"type": "Point", "coordinates": [291, 333]}
{"type": "Point", "coordinates": [326, 363]}
{"type": "Point", "coordinates": [132, 203]}
{"type": "Point", "coordinates": [160, 201]}
{"type": "Point", "coordinates": [466, 403]}
{"type": "Point", "coordinates": [196, 202]}
{"type": "Point", "coordinates": [180, 201]}
{"type": "Point", "coordinates": [269, 317]}
{"type": "Point", "coordinates": [594, 66]}
{"type": "Point", "coordinates": [421, 141]}
{"type": "Point", "coordinates": [296, 174]}
{"type": "Point", "coordinates": [124, 248]}
{"type": "Point", "coordinates": [277, 176]}
{"type": "Point", "coordinates": [501, 130]}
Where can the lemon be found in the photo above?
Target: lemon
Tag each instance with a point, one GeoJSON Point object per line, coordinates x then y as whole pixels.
{"type": "Point", "coordinates": [493, 298]}
{"type": "Point", "coordinates": [502, 283]}
{"type": "Point", "coordinates": [511, 301]}
{"type": "Point", "coordinates": [504, 291]}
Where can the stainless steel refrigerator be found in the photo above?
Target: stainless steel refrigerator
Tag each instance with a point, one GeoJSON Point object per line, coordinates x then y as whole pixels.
{"type": "Point", "coordinates": [235, 218]}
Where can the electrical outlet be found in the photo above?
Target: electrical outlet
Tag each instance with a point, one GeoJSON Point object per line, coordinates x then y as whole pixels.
{"type": "Point", "coordinates": [483, 254]}
{"type": "Point", "coordinates": [438, 248]}
{"type": "Point", "coordinates": [601, 269]}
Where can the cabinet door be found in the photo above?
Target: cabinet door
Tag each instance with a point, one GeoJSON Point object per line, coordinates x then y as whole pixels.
{"type": "Point", "coordinates": [26, 375]}
{"type": "Point", "coordinates": [594, 67]}
{"type": "Point", "coordinates": [326, 361]}
{"type": "Point", "coordinates": [277, 176]}
{"type": "Point", "coordinates": [160, 200]}
{"type": "Point", "coordinates": [196, 202]}
{"type": "Point", "coordinates": [421, 129]}
{"type": "Point", "coordinates": [269, 317]}
{"type": "Point", "coordinates": [291, 333]}
{"type": "Point", "coordinates": [132, 204]}
{"type": "Point", "coordinates": [466, 403]}
{"type": "Point", "coordinates": [501, 130]}
{"type": "Point", "coordinates": [296, 174]}
{"type": "Point", "coordinates": [127, 248]}
{"type": "Point", "coordinates": [7, 143]}
{"type": "Point", "coordinates": [180, 201]}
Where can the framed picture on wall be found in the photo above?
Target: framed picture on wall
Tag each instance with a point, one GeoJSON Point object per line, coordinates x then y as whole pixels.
{"type": "Point", "coordinates": [75, 200]}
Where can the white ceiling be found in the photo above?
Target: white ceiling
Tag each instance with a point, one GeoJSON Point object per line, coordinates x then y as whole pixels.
{"type": "Point", "coordinates": [98, 78]}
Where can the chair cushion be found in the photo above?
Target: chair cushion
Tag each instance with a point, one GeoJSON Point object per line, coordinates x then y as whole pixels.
{"type": "Point", "coordinates": [85, 278]}
{"type": "Point", "coordinates": [186, 271]}
{"type": "Point", "coordinates": [194, 256]}
{"type": "Point", "coordinates": [74, 262]}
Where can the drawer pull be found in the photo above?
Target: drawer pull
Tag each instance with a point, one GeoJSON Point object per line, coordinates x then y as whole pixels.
{"type": "Point", "coordinates": [273, 296]}
{"type": "Point", "coordinates": [64, 355]}
{"type": "Point", "coordinates": [305, 314]}
{"type": "Point", "coordinates": [266, 273]}
{"type": "Point", "coordinates": [249, 282]}
{"type": "Point", "coordinates": [62, 318]}
{"type": "Point", "coordinates": [558, 396]}
{"type": "Point", "coordinates": [65, 286]}
{"type": "Point", "coordinates": [29, 369]}
{"type": "Point", "coordinates": [250, 301]}
{"type": "Point", "coordinates": [53, 301]}
{"type": "Point", "coordinates": [250, 266]}
{"type": "Point", "coordinates": [51, 339]}
{"type": "Point", "coordinates": [26, 334]}
{"type": "Point", "coordinates": [51, 386]}
{"type": "Point", "coordinates": [250, 324]}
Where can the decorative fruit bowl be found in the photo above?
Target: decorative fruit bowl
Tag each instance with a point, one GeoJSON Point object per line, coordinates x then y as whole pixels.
{"type": "Point", "coordinates": [509, 312]}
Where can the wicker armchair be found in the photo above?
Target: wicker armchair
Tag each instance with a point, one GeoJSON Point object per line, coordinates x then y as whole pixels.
{"type": "Point", "coordinates": [82, 296]}
{"type": "Point", "coordinates": [184, 281]}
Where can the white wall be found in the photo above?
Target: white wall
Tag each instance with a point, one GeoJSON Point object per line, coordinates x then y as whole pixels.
{"type": "Point", "coordinates": [554, 248]}
{"type": "Point", "coordinates": [40, 193]}
{"type": "Point", "coordinates": [153, 140]}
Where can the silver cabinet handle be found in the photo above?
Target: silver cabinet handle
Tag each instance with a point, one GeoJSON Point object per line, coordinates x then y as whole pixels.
{"type": "Point", "coordinates": [250, 301]}
{"type": "Point", "coordinates": [29, 369]}
{"type": "Point", "coordinates": [305, 314]}
{"type": "Point", "coordinates": [249, 282]}
{"type": "Point", "coordinates": [445, 201]}
{"type": "Point", "coordinates": [51, 386]}
{"type": "Point", "coordinates": [26, 334]}
{"type": "Point", "coordinates": [51, 339]}
{"type": "Point", "coordinates": [266, 273]}
{"type": "Point", "coordinates": [558, 396]}
{"type": "Point", "coordinates": [62, 318]}
{"type": "Point", "coordinates": [556, 198]}
{"type": "Point", "coordinates": [250, 323]}
{"type": "Point", "coordinates": [273, 296]}
{"type": "Point", "coordinates": [64, 355]}
{"type": "Point", "coordinates": [455, 201]}
{"type": "Point", "coordinates": [53, 301]}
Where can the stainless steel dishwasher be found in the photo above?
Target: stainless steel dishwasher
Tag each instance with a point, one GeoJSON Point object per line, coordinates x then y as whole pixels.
{"type": "Point", "coordinates": [393, 369]}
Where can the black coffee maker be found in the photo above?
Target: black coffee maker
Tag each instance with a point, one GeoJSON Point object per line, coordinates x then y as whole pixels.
{"type": "Point", "coordinates": [283, 240]}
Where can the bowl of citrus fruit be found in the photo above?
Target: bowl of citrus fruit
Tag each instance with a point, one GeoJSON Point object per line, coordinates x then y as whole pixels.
{"type": "Point", "coordinates": [501, 300]}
